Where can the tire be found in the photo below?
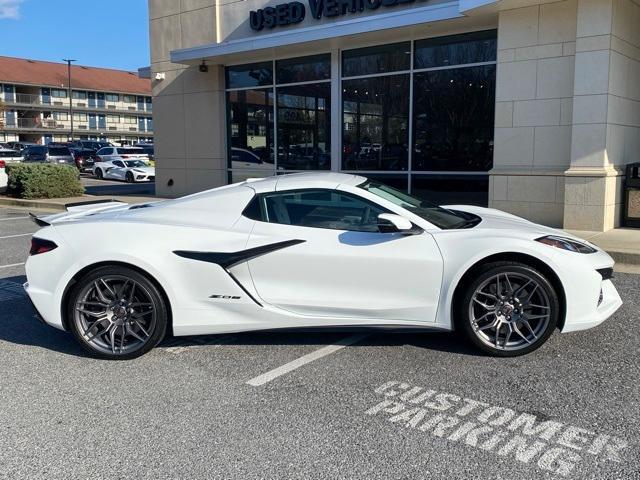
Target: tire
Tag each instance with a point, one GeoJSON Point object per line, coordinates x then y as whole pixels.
{"type": "Point", "coordinates": [129, 177]}
{"type": "Point", "coordinates": [99, 174]}
{"type": "Point", "coordinates": [110, 301]}
{"type": "Point", "coordinates": [500, 329]}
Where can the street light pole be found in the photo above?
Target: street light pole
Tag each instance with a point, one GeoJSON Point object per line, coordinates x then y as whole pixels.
{"type": "Point", "coordinates": [68, 60]}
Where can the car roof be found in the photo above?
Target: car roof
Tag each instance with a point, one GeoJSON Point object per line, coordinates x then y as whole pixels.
{"type": "Point", "coordinates": [296, 181]}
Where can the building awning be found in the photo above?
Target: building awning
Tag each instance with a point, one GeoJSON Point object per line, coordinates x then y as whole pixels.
{"type": "Point", "coordinates": [220, 53]}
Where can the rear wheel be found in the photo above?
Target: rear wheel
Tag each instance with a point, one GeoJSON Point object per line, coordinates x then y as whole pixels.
{"type": "Point", "coordinates": [129, 177]}
{"type": "Point", "coordinates": [117, 313]}
{"type": "Point", "coordinates": [99, 173]}
{"type": "Point", "coordinates": [508, 309]}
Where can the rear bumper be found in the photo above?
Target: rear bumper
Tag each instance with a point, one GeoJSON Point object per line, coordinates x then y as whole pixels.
{"type": "Point", "coordinates": [36, 313]}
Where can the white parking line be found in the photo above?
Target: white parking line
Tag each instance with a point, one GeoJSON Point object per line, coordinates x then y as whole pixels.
{"type": "Point", "coordinates": [15, 236]}
{"type": "Point", "coordinates": [310, 357]}
{"type": "Point", "coordinates": [12, 265]}
{"type": "Point", "coordinates": [13, 218]}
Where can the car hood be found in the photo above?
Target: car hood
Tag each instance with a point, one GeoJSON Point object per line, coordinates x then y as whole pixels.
{"type": "Point", "coordinates": [493, 219]}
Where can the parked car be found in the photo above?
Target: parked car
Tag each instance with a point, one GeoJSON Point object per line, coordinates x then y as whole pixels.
{"type": "Point", "coordinates": [20, 146]}
{"type": "Point", "coordinates": [90, 144]}
{"type": "Point", "coordinates": [85, 159]}
{"type": "Point", "coordinates": [149, 150]}
{"type": "Point", "coordinates": [4, 179]}
{"type": "Point", "coordinates": [10, 156]}
{"type": "Point", "coordinates": [50, 154]}
{"type": "Point", "coordinates": [319, 250]}
{"type": "Point", "coordinates": [107, 154]}
{"type": "Point", "coordinates": [130, 170]}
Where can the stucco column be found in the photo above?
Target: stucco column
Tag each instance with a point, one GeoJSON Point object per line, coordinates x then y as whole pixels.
{"type": "Point", "coordinates": [606, 112]}
{"type": "Point", "coordinates": [534, 96]}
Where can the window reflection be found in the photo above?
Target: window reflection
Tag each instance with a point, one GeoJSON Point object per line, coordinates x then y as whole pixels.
{"type": "Point", "coordinates": [251, 130]}
{"type": "Point", "coordinates": [378, 59]}
{"type": "Point", "coordinates": [453, 119]}
{"type": "Point", "coordinates": [304, 133]}
{"type": "Point", "coordinates": [250, 75]}
{"type": "Point", "coordinates": [305, 69]}
{"type": "Point", "coordinates": [456, 49]}
{"type": "Point", "coordinates": [375, 123]}
{"type": "Point", "coordinates": [451, 189]}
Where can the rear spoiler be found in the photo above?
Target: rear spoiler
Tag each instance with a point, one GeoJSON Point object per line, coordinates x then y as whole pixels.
{"type": "Point", "coordinates": [38, 221]}
{"type": "Point", "coordinates": [78, 209]}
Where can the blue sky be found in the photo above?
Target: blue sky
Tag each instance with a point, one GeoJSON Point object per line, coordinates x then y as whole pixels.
{"type": "Point", "coordinates": [113, 33]}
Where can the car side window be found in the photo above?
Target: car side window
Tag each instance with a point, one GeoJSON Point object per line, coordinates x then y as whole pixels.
{"type": "Point", "coordinates": [330, 209]}
{"type": "Point", "coordinates": [118, 163]}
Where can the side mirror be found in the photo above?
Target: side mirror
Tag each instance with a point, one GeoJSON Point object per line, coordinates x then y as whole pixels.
{"type": "Point", "coordinates": [392, 223]}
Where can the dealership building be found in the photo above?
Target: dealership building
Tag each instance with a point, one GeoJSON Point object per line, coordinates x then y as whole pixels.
{"type": "Point", "coordinates": [532, 107]}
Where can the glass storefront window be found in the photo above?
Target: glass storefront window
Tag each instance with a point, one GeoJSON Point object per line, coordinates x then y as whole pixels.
{"type": "Point", "coordinates": [304, 133]}
{"type": "Point", "coordinates": [379, 59]}
{"type": "Point", "coordinates": [451, 189]}
{"type": "Point", "coordinates": [375, 123]}
{"type": "Point", "coordinates": [250, 120]}
{"type": "Point", "coordinates": [305, 69]}
{"type": "Point", "coordinates": [453, 112]}
{"type": "Point", "coordinates": [473, 47]}
{"type": "Point", "coordinates": [441, 152]}
{"type": "Point", "coordinates": [251, 75]}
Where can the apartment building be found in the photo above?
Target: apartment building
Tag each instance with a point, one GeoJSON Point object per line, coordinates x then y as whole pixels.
{"type": "Point", "coordinates": [107, 104]}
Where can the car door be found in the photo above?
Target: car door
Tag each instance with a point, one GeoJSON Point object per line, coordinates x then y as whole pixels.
{"type": "Point", "coordinates": [336, 263]}
{"type": "Point", "coordinates": [118, 171]}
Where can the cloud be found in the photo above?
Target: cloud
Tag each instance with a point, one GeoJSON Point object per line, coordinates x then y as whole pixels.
{"type": "Point", "coordinates": [10, 9]}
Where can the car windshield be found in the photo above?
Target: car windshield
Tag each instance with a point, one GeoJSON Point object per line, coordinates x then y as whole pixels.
{"type": "Point", "coordinates": [440, 217]}
{"type": "Point", "coordinates": [135, 163]}
{"type": "Point", "coordinates": [130, 151]}
{"type": "Point", "coordinates": [90, 145]}
{"type": "Point", "coordinates": [59, 151]}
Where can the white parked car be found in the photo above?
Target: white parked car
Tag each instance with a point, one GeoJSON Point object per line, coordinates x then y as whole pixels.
{"type": "Point", "coordinates": [311, 250]}
{"type": "Point", "coordinates": [10, 156]}
{"type": "Point", "coordinates": [123, 163]}
{"type": "Point", "coordinates": [128, 170]}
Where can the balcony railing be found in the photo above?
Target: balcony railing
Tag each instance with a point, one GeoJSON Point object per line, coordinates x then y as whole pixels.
{"type": "Point", "coordinates": [27, 99]}
{"type": "Point", "coordinates": [51, 124]}
{"type": "Point", "coordinates": [35, 100]}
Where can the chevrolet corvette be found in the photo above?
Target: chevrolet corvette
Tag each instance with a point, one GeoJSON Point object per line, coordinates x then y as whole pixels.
{"type": "Point", "coordinates": [305, 251]}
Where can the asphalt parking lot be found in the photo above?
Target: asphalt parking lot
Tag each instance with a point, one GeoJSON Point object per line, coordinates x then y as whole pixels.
{"type": "Point", "coordinates": [95, 186]}
{"type": "Point", "coordinates": [311, 405]}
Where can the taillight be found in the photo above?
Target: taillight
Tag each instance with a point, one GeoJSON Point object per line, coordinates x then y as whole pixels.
{"type": "Point", "coordinates": [2, 164]}
{"type": "Point", "coordinates": [98, 159]}
{"type": "Point", "coordinates": [40, 245]}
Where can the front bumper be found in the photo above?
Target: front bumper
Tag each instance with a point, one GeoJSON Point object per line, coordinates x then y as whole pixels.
{"type": "Point", "coordinates": [611, 301]}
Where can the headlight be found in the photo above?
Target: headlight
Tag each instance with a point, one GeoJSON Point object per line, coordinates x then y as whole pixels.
{"type": "Point", "coordinates": [139, 171]}
{"type": "Point", "coordinates": [566, 244]}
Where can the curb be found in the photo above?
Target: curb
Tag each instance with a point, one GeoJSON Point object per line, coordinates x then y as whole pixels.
{"type": "Point", "coordinates": [41, 204]}
{"type": "Point", "coordinates": [626, 257]}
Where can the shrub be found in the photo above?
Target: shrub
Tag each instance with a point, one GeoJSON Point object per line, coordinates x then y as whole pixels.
{"type": "Point", "coordinates": [43, 180]}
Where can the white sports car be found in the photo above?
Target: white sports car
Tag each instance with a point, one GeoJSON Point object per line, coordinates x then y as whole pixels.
{"type": "Point", "coordinates": [311, 250]}
{"type": "Point", "coordinates": [130, 171]}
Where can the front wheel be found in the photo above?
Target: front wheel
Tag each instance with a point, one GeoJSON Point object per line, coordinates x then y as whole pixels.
{"type": "Point", "coordinates": [99, 174]}
{"type": "Point", "coordinates": [129, 177]}
{"type": "Point", "coordinates": [116, 313]}
{"type": "Point", "coordinates": [508, 309]}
